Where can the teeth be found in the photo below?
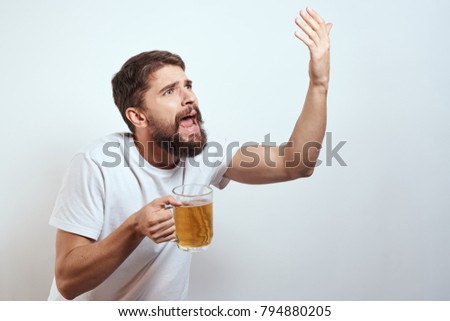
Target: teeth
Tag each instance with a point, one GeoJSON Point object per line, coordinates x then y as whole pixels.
{"type": "Point", "coordinates": [193, 125]}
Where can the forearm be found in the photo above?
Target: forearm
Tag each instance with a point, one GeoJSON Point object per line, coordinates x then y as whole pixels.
{"type": "Point", "coordinates": [86, 266]}
{"type": "Point", "coordinates": [309, 130]}
{"type": "Point", "coordinates": [307, 137]}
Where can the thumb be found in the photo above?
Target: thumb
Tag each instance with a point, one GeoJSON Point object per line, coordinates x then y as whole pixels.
{"type": "Point", "coordinates": [329, 26]}
{"type": "Point", "coordinates": [166, 200]}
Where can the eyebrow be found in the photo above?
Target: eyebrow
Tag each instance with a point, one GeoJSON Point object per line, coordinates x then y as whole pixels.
{"type": "Point", "coordinates": [174, 84]}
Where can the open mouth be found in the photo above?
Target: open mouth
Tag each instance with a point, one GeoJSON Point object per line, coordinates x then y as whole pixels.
{"type": "Point", "coordinates": [188, 121]}
{"type": "Point", "coordinates": [189, 124]}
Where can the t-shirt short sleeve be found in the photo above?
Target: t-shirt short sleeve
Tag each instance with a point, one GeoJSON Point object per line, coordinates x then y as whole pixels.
{"type": "Point", "coordinates": [224, 152]}
{"type": "Point", "coordinates": [79, 206]}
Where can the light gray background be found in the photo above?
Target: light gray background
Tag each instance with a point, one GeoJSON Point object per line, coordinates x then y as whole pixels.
{"type": "Point", "coordinates": [377, 229]}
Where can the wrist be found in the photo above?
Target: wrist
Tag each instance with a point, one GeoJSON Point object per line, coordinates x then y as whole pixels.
{"type": "Point", "coordinates": [320, 86]}
{"type": "Point", "coordinates": [133, 225]}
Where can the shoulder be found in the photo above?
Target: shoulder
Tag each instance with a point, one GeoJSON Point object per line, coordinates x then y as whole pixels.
{"type": "Point", "coordinates": [105, 147]}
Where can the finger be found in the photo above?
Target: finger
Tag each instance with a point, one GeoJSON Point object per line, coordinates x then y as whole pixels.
{"type": "Point", "coordinates": [316, 26]}
{"type": "Point", "coordinates": [162, 233]}
{"type": "Point", "coordinates": [161, 202]}
{"type": "Point", "coordinates": [164, 225]}
{"type": "Point", "coordinates": [329, 26]}
{"type": "Point", "coordinates": [163, 215]}
{"type": "Point", "coordinates": [308, 31]}
{"type": "Point", "coordinates": [154, 218]}
{"type": "Point", "coordinates": [317, 23]}
{"type": "Point", "coordinates": [167, 239]}
{"type": "Point", "coordinates": [315, 16]}
{"type": "Point", "coordinates": [308, 42]}
{"type": "Point", "coordinates": [165, 236]}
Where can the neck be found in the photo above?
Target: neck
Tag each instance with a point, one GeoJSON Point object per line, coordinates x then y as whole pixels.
{"type": "Point", "coordinates": [153, 153]}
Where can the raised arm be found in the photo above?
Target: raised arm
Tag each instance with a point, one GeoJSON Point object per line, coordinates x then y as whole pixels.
{"type": "Point", "coordinates": [262, 164]}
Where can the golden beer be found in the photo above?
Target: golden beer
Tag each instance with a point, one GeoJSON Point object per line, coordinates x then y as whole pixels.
{"type": "Point", "coordinates": [194, 224]}
{"type": "Point", "coordinates": [193, 219]}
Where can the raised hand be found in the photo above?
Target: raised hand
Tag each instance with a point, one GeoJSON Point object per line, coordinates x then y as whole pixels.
{"type": "Point", "coordinates": [316, 37]}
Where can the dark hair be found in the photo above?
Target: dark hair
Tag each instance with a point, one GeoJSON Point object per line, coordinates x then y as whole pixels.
{"type": "Point", "coordinates": [132, 80]}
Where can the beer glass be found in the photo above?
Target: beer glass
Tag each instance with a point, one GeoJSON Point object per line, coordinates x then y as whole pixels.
{"type": "Point", "coordinates": [194, 219]}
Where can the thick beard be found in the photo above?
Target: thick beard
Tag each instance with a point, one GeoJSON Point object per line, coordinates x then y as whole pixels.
{"type": "Point", "coordinates": [168, 138]}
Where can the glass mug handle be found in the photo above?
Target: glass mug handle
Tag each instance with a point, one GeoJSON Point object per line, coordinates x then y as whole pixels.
{"type": "Point", "coordinates": [171, 207]}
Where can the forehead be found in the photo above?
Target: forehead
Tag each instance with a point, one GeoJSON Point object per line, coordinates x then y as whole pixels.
{"type": "Point", "coordinates": [167, 75]}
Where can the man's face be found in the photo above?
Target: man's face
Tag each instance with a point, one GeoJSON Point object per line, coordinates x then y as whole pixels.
{"type": "Point", "coordinates": [175, 122]}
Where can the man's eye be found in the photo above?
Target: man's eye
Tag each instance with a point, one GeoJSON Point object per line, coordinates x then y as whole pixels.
{"type": "Point", "coordinates": [188, 86]}
{"type": "Point", "coordinates": [168, 92]}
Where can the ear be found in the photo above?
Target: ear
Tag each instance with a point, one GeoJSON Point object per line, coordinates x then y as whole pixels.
{"type": "Point", "coordinates": [136, 117]}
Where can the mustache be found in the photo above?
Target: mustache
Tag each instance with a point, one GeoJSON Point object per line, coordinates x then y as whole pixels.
{"type": "Point", "coordinates": [186, 112]}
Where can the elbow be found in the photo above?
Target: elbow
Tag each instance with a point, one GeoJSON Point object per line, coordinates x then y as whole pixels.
{"type": "Point", "coordinates": [65, 287]}
{"type": "Point", "coordinates": [300, 173]}
{"type": "Point", "coordinates": [302, 168]}
{"type": "Point", "coordinates": [307, 172]}
{"type": "Point", "coordinates": [65, 290]}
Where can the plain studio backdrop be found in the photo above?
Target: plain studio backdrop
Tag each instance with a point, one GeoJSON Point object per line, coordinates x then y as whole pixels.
{"type": "Point", "coordinates": [376, 229]}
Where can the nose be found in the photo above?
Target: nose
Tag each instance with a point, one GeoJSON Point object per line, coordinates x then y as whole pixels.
{"type": "Point", "coordinates": [189, 97]}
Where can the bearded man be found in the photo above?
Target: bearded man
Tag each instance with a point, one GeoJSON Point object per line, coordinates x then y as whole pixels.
{"type": "Point", "coordinates": [113, 225]}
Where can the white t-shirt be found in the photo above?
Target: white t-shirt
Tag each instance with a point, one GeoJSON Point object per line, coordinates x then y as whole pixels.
{"type": "Point", "coordinates": [106, 183]}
